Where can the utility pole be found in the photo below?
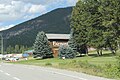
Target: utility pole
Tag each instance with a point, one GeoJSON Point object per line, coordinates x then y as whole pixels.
{"type": "Point", "coordinates": [1, 45]}
{"type": "Point", "coordinates": [2, 52]}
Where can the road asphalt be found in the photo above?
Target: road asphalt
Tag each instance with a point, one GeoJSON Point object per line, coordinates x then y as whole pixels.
{"type": "Point", "coordinates": [29, 72]}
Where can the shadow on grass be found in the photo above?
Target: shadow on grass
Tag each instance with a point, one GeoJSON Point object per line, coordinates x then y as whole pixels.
{"type": "Point", "coordinates": [44, 58]}
{"type": "Point", "coordinates": [80, 55]}
{"type": "Point", "coordinates": [96, 55]}
{"type": "Point", "coordinates": [104, 55]}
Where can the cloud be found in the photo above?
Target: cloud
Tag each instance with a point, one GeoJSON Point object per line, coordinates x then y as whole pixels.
{"type": "Point", "coordinates": [42, 2]}
{"type": "Point", "coordinates": [6, 27]}
{"type": "Point", "coordinates": [37, 9]}
{"type": "Point", "coordinates": [48, 2]}
{"type": "Point", "coordinates": [17, 9]}
{"type": "Point", "coordinates": [71, 2]}
{"type": "Point", "coordinates": [11, 11]}
{"type": "Point", "coordinates": [22, 10]}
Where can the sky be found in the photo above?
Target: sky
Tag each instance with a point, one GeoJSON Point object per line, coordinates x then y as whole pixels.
{"type": "Point", "coordinates": [13, 12]}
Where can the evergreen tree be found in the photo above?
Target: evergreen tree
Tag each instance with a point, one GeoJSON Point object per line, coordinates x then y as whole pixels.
{"type": "Point", "coordinates": [26, 48]}
{"type": "Point", "coordinates": [41, 46]}
{"type": "Point", "coordinates": [96, 29]}
{"type": "Point", "coordinates": [22, 49]}
{"type": "Point", "coordinates": [9, 49]}
{"type": "Point", "coordinates": [66, 52]}
{"type": "Point", "coordinates": [78, 26]}
{"type": "Point", "coordinates": [72, 42]}
{"type": "Point", "coordinates": [97, 23]}
{"type": "Point", "coordinates": [86, 25]}
{"type": "Point", "coordinates": [110, 10]}
{"type": "Point", "coordinates": [17, 50]}
{"type": "Point", "coordinates": [12, 49]}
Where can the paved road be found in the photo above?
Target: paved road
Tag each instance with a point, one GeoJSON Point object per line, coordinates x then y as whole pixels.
{"type": "Point", "coordinates": [26, 72]}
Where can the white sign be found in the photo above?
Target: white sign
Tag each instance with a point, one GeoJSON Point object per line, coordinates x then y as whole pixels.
{"type": "Point", "coordinates": [57, 44]}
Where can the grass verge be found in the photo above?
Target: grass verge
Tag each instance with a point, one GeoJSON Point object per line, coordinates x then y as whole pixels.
{"type": "Point", "coordinates": [91, 64]}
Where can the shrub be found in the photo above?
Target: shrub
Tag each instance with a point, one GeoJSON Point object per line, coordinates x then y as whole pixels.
{"type": "Point", "coordinates": [118, 62]}
{"type": "Point", "coordinates": [66, 52]}
{"type": "Point", "coordinates": [48, 64]}
{"type": "Point", "coordinates": [118, 58]}
{"type": "Point", "coordinates": [118, 52]}
{"type": "Point", "coordinates": [111, 71]}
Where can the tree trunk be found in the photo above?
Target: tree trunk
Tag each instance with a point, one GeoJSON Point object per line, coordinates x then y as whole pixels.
{"type": "Point", "coordinates": [98, 52]}
{"type": "Point", "coordinates": [111, 49]}
{"type": "Point", "coordinates": [86, 50]}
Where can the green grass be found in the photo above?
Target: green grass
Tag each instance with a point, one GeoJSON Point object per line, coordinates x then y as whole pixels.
{"type": "Point", "coordinates": [91, 64]}
{"type": "Point", "coordinates": [55, 61]}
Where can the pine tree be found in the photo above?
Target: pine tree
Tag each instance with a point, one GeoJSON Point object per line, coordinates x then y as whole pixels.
{"type": "Point", "coordinates": [41, 46]}
{"type": "Point", "coordinates": [12, 49]}
{"type": "Point", "coordinates": [9, 49]}
{"type": "Point", "coordinates": [96, 29]}
{"type": "Point", "coordinates": [97, 23]}
{"type": "Point", "coordinates": [72, 42]}
{"type": "Point", "coordinates": [110, 10]}
{"type": "Point", "coordinates": [66, 52]}
{"type": "Point", "coordinates": [86, 24]}
{"type": "Point", "coordinates": [22, 49]}
{"type": "Point", "coordinates": [17, 50]}
{"type": "Point", "coordinates": [78, 19]}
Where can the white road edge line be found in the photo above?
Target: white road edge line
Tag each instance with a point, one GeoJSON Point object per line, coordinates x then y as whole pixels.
{"type": "Point", "coordinates": [7, 74]}
{"type": "Point", "coordinates": [31, 68]}
{"type": "Point", "coordinates": [1, 71]}
{"type": "Point", "coordinates": [70, 76]}
{"type": "Point", "coordinates": [65, 75]}
{"type": "Point", "coordinates": [16, 78]}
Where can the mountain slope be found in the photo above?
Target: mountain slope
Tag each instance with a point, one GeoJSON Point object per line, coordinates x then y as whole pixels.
{"type": "Point", "coordinates": [56, 21]}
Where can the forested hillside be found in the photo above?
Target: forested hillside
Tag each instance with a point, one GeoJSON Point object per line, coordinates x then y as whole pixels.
{"type": "Point", "coordinates": [56, 21]}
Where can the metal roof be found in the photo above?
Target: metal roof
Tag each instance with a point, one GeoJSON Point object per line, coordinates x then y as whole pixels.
{"type": "Point", "coordinates": [58, 36]}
